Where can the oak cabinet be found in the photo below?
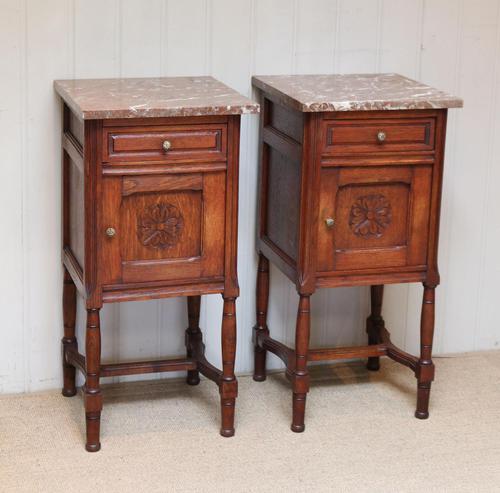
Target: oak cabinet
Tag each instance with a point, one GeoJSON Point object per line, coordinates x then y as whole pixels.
{"type": "Point", "coordinates": [350, 189]}
{"type": "Point", "coordinates": [150, 207]}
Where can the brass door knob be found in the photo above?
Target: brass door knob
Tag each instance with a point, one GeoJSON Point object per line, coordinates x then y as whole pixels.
{"type": "Point", "coordinates": [381, 136]}
{"type": "Point", "coordinates": [330, 222]}
{"type": "Point", "coordinates": [166, 145]}
{"type": "Point", "coordinates": [111, 232]}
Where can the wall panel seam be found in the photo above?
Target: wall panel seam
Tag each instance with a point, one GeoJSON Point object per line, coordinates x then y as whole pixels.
{"type": "Point", "coordinates": [208, 37]}
{"type": "Point", "coordinates": [26, 339]}
{"type": "Point", "coordinates": [336, 56]}
{"type": "Point", "coordinates": [163, 36]}
{"type": "Point", "coordinates": [420, 45]}
{"type": "Point", "coordinates": [295, 35]}
{"type": "Point", "coordinates": [378, 36]}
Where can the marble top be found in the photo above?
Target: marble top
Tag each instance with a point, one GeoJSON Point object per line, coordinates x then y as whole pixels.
{"type": "Point", "coordinates": [354, 92]}
{"type": "Point", "coordinates": [93, 99]}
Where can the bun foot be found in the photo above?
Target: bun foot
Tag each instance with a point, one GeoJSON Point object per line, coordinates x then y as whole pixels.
{"type": "Point", "coordinates": [421, 414]}
{"type": "Point", "coordinates": [93, 447]}
{"type": "Point", "coordinates": [227, 433]}
{"type": "Point", "coordinates": [68, 392]}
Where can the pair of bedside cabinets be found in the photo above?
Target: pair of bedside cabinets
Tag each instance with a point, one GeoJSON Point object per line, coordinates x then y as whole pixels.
{"type": "Point", "coordinates": [351, 173]}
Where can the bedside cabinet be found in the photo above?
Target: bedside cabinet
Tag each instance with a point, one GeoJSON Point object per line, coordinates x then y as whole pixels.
{"type": "Point", "coordinates": [150, 208]}
{"type": "Point", "coordinates": [350, 190]}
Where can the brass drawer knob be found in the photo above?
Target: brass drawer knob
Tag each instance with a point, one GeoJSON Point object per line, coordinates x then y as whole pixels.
{"type": "Point", "coordinates": [166, 145]}
{"type": "Point", "coordinates": [111, 232]}
{"type": "Point", "coordinates": [381, 136]}
{"type": "Point", "coordinates": [329, 221]}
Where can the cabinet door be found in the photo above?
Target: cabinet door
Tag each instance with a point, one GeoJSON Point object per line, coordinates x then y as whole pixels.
{"type": "Point", "coordinates": [162, 227]}
{"type": "Point", "coordinates": [380, 217]}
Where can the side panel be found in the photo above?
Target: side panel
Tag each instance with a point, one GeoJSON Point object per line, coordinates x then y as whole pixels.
{"type": "Point", "coordinates": [281, 169]}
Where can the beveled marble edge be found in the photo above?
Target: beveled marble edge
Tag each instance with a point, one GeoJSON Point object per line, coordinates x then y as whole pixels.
{"type": "Point", "coordinates": [244, 106]}
{"type": "Point", "coordinates": [447, 101]}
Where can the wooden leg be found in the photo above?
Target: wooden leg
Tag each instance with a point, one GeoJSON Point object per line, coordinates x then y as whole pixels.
{"type": "Point", "coordinates": [228, 386]}
{"type": "Point", "coordinates": [300, 379]}
{"type": "Point", "coordinates": [259, 373]}
{"type": "Point", "coordinates": [425, 367]}
{"type": "Point", "coordinates": [374, 323]}
{"type": "Point", "coordinates": [193, 334]}
{"type": "Point", "coordinates": [92, 394]}
{"type": "Point", "coordinates": [69, 339]}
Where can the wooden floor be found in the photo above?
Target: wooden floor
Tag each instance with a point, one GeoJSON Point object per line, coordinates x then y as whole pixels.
{"type": "Point", "coordinates": [360, 435]}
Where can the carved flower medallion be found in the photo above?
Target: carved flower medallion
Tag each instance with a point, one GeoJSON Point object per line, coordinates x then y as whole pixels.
{"type": "Point", "coordinates": [370, 215]}
{"type": "Point", "coordinates": [159, 225]}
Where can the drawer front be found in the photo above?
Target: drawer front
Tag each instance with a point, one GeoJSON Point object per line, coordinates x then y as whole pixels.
{"type": "Point", "coordinates": [374, 219]}
{"type": "Point", "coordinates": [165, 144]}
{"type": "Point", "coordinates": [378, 135]}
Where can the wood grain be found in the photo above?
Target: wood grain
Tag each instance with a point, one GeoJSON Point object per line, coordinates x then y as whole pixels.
{"type": "Point", "coordinates": [146, 237]}
{"type": "Point", "coordinates": [365, 223]}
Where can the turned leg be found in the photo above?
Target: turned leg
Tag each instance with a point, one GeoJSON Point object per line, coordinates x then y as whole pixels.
{"type": "Point", "coordinates": [260, 328]}
{"type": "Point", "coordinates": [69, 339]}
{"type": "Point", "coordinates": [228, 386]}
{"type": "Point", "coordinates": [92, 394]}
{"type": "Point", "coordinates": [300, 379]}
{"type": "Point", "coordinates": [425, 366]}
{"type": "Point", "coordinates": [193, 335]}
{"type": "Point", "coordinates": [374, 324]}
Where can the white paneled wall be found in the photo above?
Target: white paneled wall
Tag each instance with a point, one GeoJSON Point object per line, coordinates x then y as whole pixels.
{"type": "Point", "coordinates": [452, 44]}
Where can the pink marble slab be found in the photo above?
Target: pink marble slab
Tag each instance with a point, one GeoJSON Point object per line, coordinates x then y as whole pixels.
{"type": "Point", "coordinates": [354, 92]}
{"type": "Point", "coordinates": [152, 97]}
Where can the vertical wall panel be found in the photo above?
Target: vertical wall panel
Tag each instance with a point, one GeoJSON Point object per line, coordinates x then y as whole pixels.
{"type": "Point", "coordinates": [400, 37]}
{"type": "Point", "coordinates": [97, 37]}
{"type": "Point", "coordinates": [47, 57]}
{"type": "Point", "coordinates": [12, 119]}
{"type": "Point", "coordinates": [316, 24]}
{"type": "Point", "coordinates": [486, 330]}
{"type": "Point", "coordinates": [274, 33]}
{"type": "Point", "coordinates": [469, 180]}
{"type": "Point", "coordinates": [186, 38]}
{"type": "Point", "coordinates": [452, 44]}
{"type": "Point", "coordinates": [358, 36]}
{"type": "Point", "coordinates": [141, 30]}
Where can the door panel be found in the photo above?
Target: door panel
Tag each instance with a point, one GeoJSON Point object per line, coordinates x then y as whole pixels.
{"type": "Point", "coordinates": [166, 224]}
{"type": "Point", "coordinates": [380, 217]}
{"type": "Point", "coordinates": [165, 227]}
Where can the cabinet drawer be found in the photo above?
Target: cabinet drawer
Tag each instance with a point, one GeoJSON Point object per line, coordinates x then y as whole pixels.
{"type": "Point", "coordinates": [378, 135]}
{"type": "Point", "coordinates": [164, 144]}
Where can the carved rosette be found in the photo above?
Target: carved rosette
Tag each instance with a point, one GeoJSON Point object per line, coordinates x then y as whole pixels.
{"type": "Point", "coordinates": [159, 225]}
{"type": "Point", "coordinates": [370, 216]}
